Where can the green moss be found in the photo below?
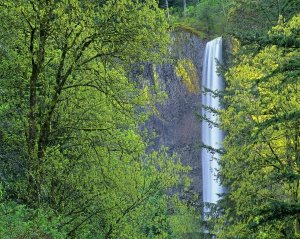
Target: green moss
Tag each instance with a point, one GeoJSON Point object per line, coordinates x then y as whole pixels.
{"type": "Point", "coordinates": [187, 71]}
{"type": "Point", "coordinates": [189, 29]}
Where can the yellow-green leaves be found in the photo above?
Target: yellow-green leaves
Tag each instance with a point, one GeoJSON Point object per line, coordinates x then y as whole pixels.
{"type": "Point", "coordinates": [288, 29]}
{"type": "Point", "coordinates": [261, 163]}
{"type": "Point", "coordinates": [70, 115]}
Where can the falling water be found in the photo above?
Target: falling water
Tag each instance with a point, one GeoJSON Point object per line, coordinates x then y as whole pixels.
{"type": "Point", "coordinates": [211, 135]}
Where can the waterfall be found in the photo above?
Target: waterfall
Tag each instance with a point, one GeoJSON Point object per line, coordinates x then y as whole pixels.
{"type": "Point", "coordinates": [211, 135]}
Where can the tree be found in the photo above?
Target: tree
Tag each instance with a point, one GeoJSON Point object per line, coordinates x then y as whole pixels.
{"type": "Point", "coordinates": [207, 18]}
{"type": "Point", "coordinates": [250, 21]}
{"type": "Point", "coordinates": [18, 221]}
{"type": "Point", "coordinates": [184, 6]}
{"type": "Point", "coordinates": [261, 163]}
{"type": "Point", "coordinates": [71, 116]}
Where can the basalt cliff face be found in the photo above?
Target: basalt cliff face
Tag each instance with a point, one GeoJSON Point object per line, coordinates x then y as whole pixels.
{"type": "Point", "coordinates": [176, 124]}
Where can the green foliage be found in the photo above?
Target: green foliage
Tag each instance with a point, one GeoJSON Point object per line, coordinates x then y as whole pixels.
{"type": "Point", "coordinates": [186, 222]}
{"type": "Point", "coordinates": [177, 3]}
{"type": "Point", "coordinates": [206, 18]}
{"type": "Point", "coordinates": [17, 221]}
{"type": "Point", "coordinates": [261, 163]}
{"type": "Point", "coordinates": [72, 153]}
{"type": "Point", "coordinates": [250, 21]}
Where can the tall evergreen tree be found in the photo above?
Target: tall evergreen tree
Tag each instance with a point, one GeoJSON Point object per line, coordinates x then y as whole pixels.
{"type": "Point", "coordinates": [261, 163]}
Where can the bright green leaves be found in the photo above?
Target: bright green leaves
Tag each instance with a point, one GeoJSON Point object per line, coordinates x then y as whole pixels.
{"type": "Point", "coordinates": [70, 118]}
{"type": "Point", "coordinates": [288, 31]}
{"type": "Point", "coordinates": [261, 162]}
{"type": "Point", "coordinates": [19, 221]}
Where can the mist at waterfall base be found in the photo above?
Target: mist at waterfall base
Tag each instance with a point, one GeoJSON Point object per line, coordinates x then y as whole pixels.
{"type": "Point", "coordinates": [211, 135]}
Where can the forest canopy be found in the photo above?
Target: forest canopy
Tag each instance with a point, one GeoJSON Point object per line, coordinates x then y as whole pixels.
{"type": "Point", "coordinates": [260, 166]}
{"type": "Point", "coordinates": [74, 158]}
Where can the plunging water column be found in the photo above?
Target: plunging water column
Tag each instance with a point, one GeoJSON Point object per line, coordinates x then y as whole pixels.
{"type": "Point", "coordinates": [211, 135]}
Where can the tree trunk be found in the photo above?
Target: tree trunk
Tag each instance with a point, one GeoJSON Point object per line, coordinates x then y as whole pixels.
{"type": "Point", "coordinates": [37, 61]}
{"type": "Point", "coordinates": [184, 7]}
{"type": "Point", "coordinates": [167, 9]}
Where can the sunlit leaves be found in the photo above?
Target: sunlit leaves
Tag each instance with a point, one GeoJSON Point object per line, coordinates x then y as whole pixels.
{"type": "Point", "coordinates": [71, 116]}
{"type": "Point", "coordinates": [261, 163]}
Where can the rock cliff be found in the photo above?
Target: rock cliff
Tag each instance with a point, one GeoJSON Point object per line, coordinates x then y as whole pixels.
{"type": "Point", "coordinates": [176, 124]}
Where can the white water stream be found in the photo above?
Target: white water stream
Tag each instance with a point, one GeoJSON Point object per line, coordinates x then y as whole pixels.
{"type": "Point", "coordinates": [211, 135]}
